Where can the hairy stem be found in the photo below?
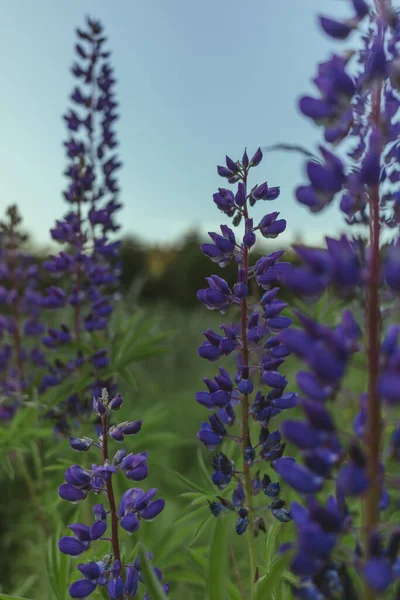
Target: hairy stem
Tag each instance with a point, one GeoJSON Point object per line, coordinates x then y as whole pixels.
{"type": "Point", "coordinates": [245, 426]}
{"type": "Point", "coordinates": [373, 316]}
{"type": "Point", "coordinates": [78, 282]}
{"type": "Point", "coordinates": [16, 311]}
{"type": "Point", "coordinates": [110, 494]}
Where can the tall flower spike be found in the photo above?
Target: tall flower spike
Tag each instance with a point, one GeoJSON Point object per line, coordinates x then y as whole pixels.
{"type": "Point", "coordinates": [135, 506]}
{"type": "Point", "coordinates": [20, 327]}
{"type": "Point", "coordinates": [257, 387]}
{"type": "Point", "coordinates": [357, 101]}
{"type": "Point", "coordinates": [87, 269]}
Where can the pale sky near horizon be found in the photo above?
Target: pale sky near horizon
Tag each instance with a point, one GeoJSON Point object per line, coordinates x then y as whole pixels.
{"type": "Point", "coordinates": [196, 80]}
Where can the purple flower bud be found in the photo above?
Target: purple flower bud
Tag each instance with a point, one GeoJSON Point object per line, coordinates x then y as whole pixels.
{"type": "Point", "coordinates": [298, 477]}
{"type": "Point", "coordinates": [361, 8]}
{"type": "Point", "coordinates": [134, 467]}
{"type": "Point", "coordinates": [99, 512]}
{"type": "Point", "coordinates": [273, 193]}
{"type": "Point", "coordinates": [116, 402]}
{"type": "Point", "coordinates": [116, 433]}
{"type": "Point", "coordinates": [131, 581]}
{"type": "Point", "coordinates": [77, 476]}
{"type": "Point", "coordinates": [152, 510]}
{"type": "Point", "coordinates": [82, 588]}
{"type": "Point", "coordinates": [274, 379]}
{"type": "Point", "coordinates": [132, 428]}
{"type": "Point", "coordinates": [130, 523]}
{"type": "Point", "coordinates": [80, 444]}
{"type": "Point", "coordinates": [257, 158]}
{"type": "Point", "coordinates": [72, 546]}
{"type": "Point", "coordinates": [98, 406]}
{"type": "Point", "coordinates": [115, 587]}
{"type": "Point", "coordinates": [249, 239]}
{"type": "Point", "coordinates": [71, 493]}
{"type": "Point", "coordinates": [335, 29]}
{"type": "Point", "coordinates": [90, 570]}
{"type": "Point", "coordinates": [240, 197]}
{"type": "Point", "coordinates": [224, 172]}
{"type": "Point", "coordinates": [232, 166]}
{"type": "Point", "coordinates": [97, 530]}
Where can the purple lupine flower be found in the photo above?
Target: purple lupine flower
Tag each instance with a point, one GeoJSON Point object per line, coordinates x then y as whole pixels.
{"type": "Point", "coordinates": [254, 340]}
{"type": "Point", "coordinates": [357, 101]}
{"type": "Point", "coordinates": [20, 324]}
{"type": "Point", "coordinates": [135, 506]}
{"type": "Point", "coordinates": [88, 269]}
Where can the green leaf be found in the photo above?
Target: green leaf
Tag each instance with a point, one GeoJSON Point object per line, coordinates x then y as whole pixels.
{"type": "Point", "coordinates": [153, 585]}
{"type": "Point", "coordinates": [202, 465]}
{"type": "Point", "coordinates": [191, 484]}
{"type": "Point", "coordinates": [272, 542]}
{"type": "Point", "coordinates": [58, 566]}
{"type": "Point", "coordinates": [192, 515]}
{"type": "Point", "coordinates": [7, 597]}
{"type": "Point", "coordinates": [199, 529]}
{"type": "Point", "coordinates": [217, 576]}
{"type": "Point", "coordinates": [276, 572]}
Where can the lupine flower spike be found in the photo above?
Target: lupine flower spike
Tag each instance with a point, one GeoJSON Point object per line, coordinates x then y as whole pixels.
{"type": "Point", "coordinates": [21, 357]}
{"type": "Point", "coordinates": [134, 507]}
{"type": "Point", "coordinates": [357, 101]}
{"type": "Point", "coordinates": [87, 270]}
{"type": "Point", "coordinates": [257, 389]}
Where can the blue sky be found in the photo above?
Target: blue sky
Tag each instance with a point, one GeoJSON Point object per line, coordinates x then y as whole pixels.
{"type": "Point", "coordinates": [196, 80]}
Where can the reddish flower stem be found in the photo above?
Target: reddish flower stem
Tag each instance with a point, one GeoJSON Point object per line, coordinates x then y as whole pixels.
{"type": "Point", "coordinates": [16, 309]}
{"type": "Point", "coordinates": [16, 312]}
{"type": "Point", "coordinates": [245, 420]}
{"type": "Point", "coordinates": [110, 494]}
{"type": "Point", "coordinates": [78, 277]}
{"type": "Point", "coordinates": [373, 326]}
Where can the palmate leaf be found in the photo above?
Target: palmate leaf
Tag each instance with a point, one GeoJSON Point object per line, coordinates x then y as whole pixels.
{"type": "Point", "coordinates": [217, 570]}
{"type": "Point", "coordinates": [55, 396]}
{"type": "Point", "coordinates": [137, 340]}
{"type": "Point", "coordinates": [200, 528]}
{"type": "Point", "coordinates": [18, 436]}
{"type": "Point", "coordinates": [153, 585]}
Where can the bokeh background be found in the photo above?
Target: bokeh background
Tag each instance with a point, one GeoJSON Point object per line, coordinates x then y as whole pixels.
{"type": "Point", "coordinates": [196, 80]}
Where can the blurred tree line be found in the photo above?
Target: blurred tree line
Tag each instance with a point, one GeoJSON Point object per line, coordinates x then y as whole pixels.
{"type": "Point", "coordinates": [173, 273]}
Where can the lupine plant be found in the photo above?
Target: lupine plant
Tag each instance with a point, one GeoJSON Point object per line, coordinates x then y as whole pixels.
{"type": "Point", "coordinates": [135, 505]}
{"type": "Point", "coordinates": [257, 389]}
{"type": "Point", "coordinates": [356, 106]}
{"type": "Point", "coordinates": [20, 324]}
{"type": "Point", "coordinates": [320, 482]}
{"type": "Point", "coordinates": [87, 270]}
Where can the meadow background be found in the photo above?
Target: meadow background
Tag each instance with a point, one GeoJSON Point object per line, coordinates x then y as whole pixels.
{"type": "Point", "coordinates": [194, 82]}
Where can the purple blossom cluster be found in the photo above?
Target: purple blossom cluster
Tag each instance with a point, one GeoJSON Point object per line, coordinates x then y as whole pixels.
{"type": "Point", "coordinates": [21, 355]}
{"type": "Point", "coordinates": [87, 269]}
{"type": "Point", "coordinates": [253, 340]}
{"type": "Point", "coordinates": [120, 580]}
{"type": "Point", "coordinates": [357, 102]}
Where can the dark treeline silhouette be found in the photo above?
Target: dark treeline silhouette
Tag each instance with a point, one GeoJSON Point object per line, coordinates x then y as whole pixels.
{"type": "Point", "coordinates": [167, 273]}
